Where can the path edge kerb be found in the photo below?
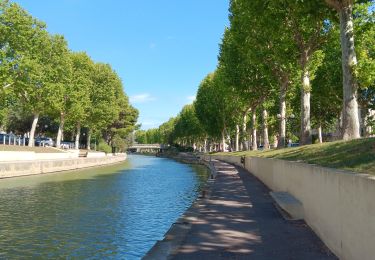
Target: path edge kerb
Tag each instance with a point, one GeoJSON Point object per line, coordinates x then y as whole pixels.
{"type": "Point", "coordinates": [175, 236]}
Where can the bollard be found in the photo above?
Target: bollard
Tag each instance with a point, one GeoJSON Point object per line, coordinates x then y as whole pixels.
{"type": "Point", "coordinates": [243, 160]}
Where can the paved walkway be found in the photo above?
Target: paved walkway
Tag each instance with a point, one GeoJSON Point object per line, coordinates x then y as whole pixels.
{"type": "Point", "coordinates": [239, 221]}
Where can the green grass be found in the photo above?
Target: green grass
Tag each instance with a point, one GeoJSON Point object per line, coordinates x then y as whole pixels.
{"type": "Point", "coordinates": [16, 148]}
{"type": "Point", "coordinates": [357, 155]}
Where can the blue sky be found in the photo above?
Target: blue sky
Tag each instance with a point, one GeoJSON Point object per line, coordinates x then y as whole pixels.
{"type": "Point", "coordinates": [161, 49]}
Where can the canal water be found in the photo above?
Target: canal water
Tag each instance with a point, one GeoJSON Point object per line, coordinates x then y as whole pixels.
{"type": "Point", "coordinates": [115, 212]}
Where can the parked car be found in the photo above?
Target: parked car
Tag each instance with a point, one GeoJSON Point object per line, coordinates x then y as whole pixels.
{"type": "Point", "coordinates": [4, 139]}
{"type": "Point", "coordinates": [44, 141]}
{"type": "Point", "coordinates": [67, 145]}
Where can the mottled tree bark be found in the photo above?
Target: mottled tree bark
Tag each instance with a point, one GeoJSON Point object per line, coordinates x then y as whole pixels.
{"type": "Point", "coordinates": [32, 130]}
{"type": "Point", "coordinates": [237, 138]}
{"type": "Point", "coordinates": [223, 139]}
{"type": "Point", "coordinates": [320, 136]}
{"type": "Point", "coordinates": [266, 142]}
{"type": "Point", "coordinates": [349, 61]}
{"type": "Point", "coordinates": [254, 145]}
{"type": "Point", "coordinates": [305, 133]}
{"type": "Point", "coordinates": [282, 107]}
{"type": "Point", "coordinates": [88, 142]}
{"type": "Point", "coordinates": [78, 134]}
{"type": "Point", "coordinates": [60, 130]}
{"type": "Point", "coordinates": [351, 127]}
{"type": "Point", "coordinates": [244, 132]}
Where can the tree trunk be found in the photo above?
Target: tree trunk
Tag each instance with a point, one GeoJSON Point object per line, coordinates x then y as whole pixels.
{"type": "Point", "coordinates": [244, 131]}
{"type": "Point", "coordinates": [60, 131]}
{"type": "Point", "coordinates": [266, 142]}
{"type": "Point", "coordinates": [237, 147]}
{"type": "Point", "coordinates": [33, 128]}
{"type": "Point", "coordinates": [205, 146]}
{"type": "Point", "coordinates": [88, 143]}
{"type": "Point", "coordinates": [78, 134]}
{"type": "Point", "coordinates": [305, 108]}
{"type": "Point", "coordinates": [349, 62]}
{"type": "Point", "coordinates": [254, 145]}
{"type": "Point", "coordinates": [282, 124]}
{"type": "Point", "coordinates": [275, 141]}
{"type": "Point", "coordinates": [223, 139]}
{"type": "Point", "coordinates": [320, 134]}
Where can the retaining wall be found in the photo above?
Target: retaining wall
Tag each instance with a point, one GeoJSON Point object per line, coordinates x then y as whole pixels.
{"type": "Point", "coordinates": [96, 154]}
{"type": "Point", "coordinates": [338, 205]}
{"type": "Point", "coordinates": [23, 168]}
{"type": "Point", "coordinates": [7, 156]}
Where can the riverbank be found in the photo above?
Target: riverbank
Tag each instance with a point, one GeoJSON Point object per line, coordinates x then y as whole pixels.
{"type": "Point", "coordinates": [184, 157]}
{"type": "Point", "coordinates": [179, 230]}
{"type": "Point", "coordinates": [21, 167]}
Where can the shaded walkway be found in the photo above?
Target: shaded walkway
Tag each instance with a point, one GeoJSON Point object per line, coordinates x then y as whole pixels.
{"type": "Point", "coordinates": [239, 221]}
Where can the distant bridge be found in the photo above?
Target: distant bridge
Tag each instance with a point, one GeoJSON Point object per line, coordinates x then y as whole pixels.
{"type": "Point", "coordinates": [146, 147]}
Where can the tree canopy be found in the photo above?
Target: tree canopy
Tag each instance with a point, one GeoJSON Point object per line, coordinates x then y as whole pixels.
{"type": "Point", "coordinates": [280, 64]}
{"type": "Point", "coordinates": [40, 77]}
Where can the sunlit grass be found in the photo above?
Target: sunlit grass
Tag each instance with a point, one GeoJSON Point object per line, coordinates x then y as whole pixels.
{"type": "Point", "coordinates": [357, 155]}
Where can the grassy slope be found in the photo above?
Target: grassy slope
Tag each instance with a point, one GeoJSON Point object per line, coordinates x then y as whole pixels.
{"type": "Point", "coordinates": [357, 155]}
{"type": "Point", "coordinates": [15, 148]}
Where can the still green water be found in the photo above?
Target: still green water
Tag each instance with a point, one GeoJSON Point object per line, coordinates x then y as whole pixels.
{"type": "Point", "coordinates": [115, 212]}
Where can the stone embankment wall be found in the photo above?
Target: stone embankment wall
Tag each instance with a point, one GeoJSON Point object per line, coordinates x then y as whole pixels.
{"type": "Point", "coordinates": [32, 167]}
{"type": "Point", "coordinates": [7, 156]}
{"type": "Point", "coordinates": [338, 205]}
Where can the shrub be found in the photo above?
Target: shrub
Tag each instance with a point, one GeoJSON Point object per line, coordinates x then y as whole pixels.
{"type": "Point", "coordinates": [104, 147]}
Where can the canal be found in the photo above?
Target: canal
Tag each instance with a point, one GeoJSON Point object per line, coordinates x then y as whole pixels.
{"type": "Point", "coordinates": [116, 212]}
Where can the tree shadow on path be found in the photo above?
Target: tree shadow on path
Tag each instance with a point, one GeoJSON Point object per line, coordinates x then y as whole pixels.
{"type": "Point", "coordinates": [240, 221]}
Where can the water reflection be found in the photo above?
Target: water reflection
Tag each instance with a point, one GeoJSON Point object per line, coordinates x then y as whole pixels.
{"type": "Point", "coordinates": [111, 212]}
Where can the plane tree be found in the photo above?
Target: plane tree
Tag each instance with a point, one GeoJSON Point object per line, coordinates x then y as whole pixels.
{"type": "Point", "coordinates": [104, 109]}
{"type": "Point", "coordinates": [344, 9]}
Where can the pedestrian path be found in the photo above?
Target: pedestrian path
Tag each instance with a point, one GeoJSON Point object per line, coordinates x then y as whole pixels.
{"type": "Point", "coordinates": [240, 221]}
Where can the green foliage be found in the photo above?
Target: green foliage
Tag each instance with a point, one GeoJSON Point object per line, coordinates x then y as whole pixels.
{"type": "Point", "coordinates": [151, 136]}
{"type": "Point", "coordinates": [264, 53]}
{"type": "Point", "coordinates": [213, 104]}
{"type": "Point", "coordinates": [327, 84]}
{"type": "Point", "coordinates": [119, 143]}
{"type": "Point", "coordinates": [365, 44]}
{"type": "Point", "coordinates": [167, 131]}
{"type": "Point", "coordinates": [104, 147]}
{"type": "Point", "coordinates": [39, 75]}
{"type": "Point", "coordinates": [187, 126]}
{"type": "Point", "coordinates": [76, 102]}
{"type": "Point", "coordinates": [355, 155]}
